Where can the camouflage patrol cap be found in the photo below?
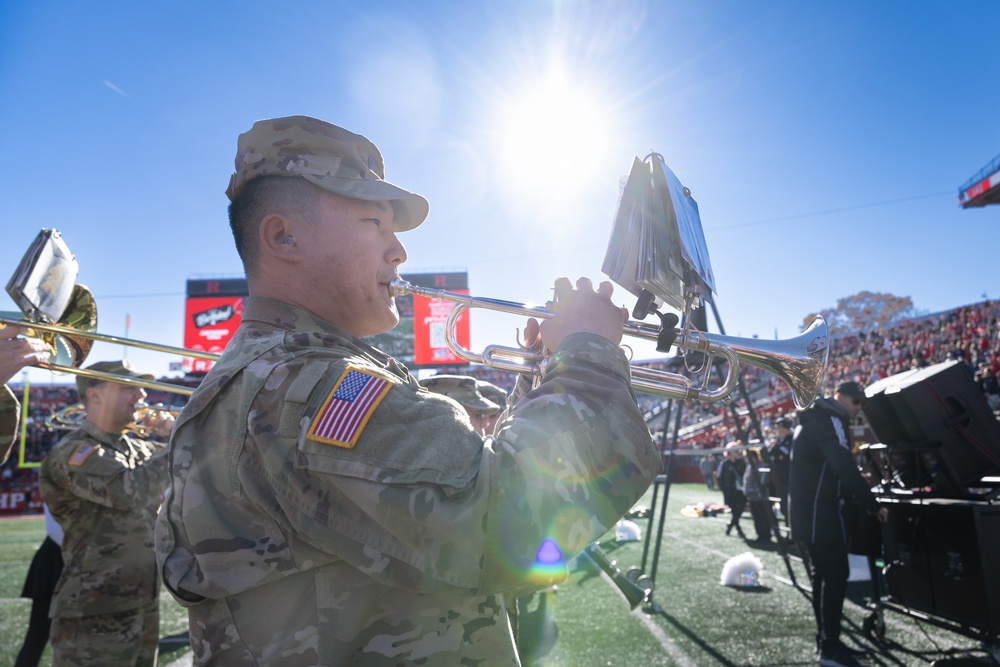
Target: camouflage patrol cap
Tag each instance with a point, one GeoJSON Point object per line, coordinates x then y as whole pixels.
{"type": "Point", "coordinates": [463, 390]}
{"type": "Point", "coordinates": [123, 368]}
{"type": "Point", "coordinates": [331, 157]}
{"type": "Point", "coordinates": [491, 392]}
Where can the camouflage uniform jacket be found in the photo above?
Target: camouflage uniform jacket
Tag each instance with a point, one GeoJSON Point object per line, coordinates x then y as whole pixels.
{"type": "Point", "coordinates": [104, 489]}
{"type": "Point", "coordinates": [395, 543]}
{"type": "Point", "coordinates": [10, 410]}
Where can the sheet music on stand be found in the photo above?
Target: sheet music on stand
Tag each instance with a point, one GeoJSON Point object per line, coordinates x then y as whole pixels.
{"type": "Point", "coordinates": [42, 284]}
{"type": "Point", "coordinates": [657, 243]}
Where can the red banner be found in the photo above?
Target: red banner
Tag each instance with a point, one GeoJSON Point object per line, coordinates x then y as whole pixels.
{"type": "Point", "coordinates": [978, 189]}
{"type": "Point", "coordinates": [209, 324]}
{"type": "Point", "coordinates": [19, 502]}
{"type": "Point", "coordinates": [429, 346]}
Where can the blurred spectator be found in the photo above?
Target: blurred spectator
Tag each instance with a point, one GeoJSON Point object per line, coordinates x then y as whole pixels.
{"type": "Point", "coordinates": [730, 476]}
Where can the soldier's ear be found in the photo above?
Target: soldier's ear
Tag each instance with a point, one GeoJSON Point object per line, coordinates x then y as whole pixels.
{"type": "Point", "coordinates": [277, 237]}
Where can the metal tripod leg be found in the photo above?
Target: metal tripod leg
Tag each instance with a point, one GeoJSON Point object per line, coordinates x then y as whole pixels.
{"type": "Point", "coordinates": [780, 540]}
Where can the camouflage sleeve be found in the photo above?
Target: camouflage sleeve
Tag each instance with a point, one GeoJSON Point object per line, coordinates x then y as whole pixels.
{"type": "Point", "coordinates": [572, 459]}
{"type": "Point", "coordinates": [422, 502]}
{"type": "Point", "coordinates": [87, 470]}
{"type": "Point", "coordinates": [10, 411]}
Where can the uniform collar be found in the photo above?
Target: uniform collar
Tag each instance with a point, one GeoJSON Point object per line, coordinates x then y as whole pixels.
{"type": "Point", "coordinates": [99, 435]}
{"type": "Point", "coordinates": [281, 315]}
{"type": "Point", "coordinates": [286, 316]}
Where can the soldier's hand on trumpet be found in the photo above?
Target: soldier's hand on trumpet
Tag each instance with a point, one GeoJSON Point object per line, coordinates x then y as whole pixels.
{"type": "Point", "coordinates": [579, 310]}
{"type": "Point", "coordinates": [154, 422]}
{"type": "Point", "coordinates": [162, 424]}
{"type": "Point", "coordinates": [17, 351]}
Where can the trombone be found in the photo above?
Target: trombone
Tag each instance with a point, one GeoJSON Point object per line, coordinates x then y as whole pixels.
{"type": "Point", "coordinates": [70, 333]}
{"type": "Point", "coordinates": [800, 362]}
{"type": "Point", "coordinates": [72, 337]}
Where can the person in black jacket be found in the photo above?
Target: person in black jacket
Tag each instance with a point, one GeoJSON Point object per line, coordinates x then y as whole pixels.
{"type": "Point", "coordinates": [730, 476]}
{"type": "Point", "coordinates": [755, 490]}
{"type": "Point", "coordinates": [778, 456]}
{"type": "Point", "coordinates": [822, 477]}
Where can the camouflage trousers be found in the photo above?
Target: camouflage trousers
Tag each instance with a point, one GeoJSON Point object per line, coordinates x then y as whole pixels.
{"type": "Point", "coordinates": [123, 639]}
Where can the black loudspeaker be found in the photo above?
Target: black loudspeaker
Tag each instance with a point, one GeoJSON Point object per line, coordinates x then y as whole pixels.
{"type": "Point", "coordinates": [943, 558]}
{"type": "Point", "coordinates": [939, 430]}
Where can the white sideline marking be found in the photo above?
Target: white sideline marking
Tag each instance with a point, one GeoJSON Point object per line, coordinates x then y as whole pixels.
{"type": "Point", "coordinates": [673, 650]}
{"type": "Point", "coordinates": [669, 647]}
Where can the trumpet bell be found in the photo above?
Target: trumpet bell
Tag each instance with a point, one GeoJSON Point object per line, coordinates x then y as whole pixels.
{"type": "Point", "coordinates": [800, 361]}
{"type": "Point", "coordinates": [66, 419]}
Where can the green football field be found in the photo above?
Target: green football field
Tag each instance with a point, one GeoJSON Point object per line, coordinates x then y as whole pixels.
{"type": "Point", "coordinates": [586, 622]}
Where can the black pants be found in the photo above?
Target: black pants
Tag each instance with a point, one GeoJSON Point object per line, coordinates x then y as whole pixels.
{"type": "Point", "coordinates": [830, 570]}
{"type": "Point", "coordinates": [761, 513]}
{"type": "Point", "coordinates": [43, 574]}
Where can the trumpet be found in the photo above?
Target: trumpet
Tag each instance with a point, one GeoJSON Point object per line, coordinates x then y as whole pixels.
{"type": "Point", "coordinates": [800, 362]}
{"type": "Point", "coordinates": [143, 424]}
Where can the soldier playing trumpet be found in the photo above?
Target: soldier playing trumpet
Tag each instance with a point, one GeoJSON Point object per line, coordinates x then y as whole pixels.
{"type": "Point", "coordinates": [324, 509]}
{"type": "Point", "coordinates": [104, 487]}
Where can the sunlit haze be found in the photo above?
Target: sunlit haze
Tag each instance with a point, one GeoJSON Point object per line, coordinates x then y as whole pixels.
{"type": "Point", "coordinates": [824, 142]}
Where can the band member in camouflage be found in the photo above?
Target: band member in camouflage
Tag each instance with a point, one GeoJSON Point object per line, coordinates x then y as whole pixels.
{"type": "Point", "coordinates": [103, 486]}
{"type": "Point", "coordinates": [465, 391]}
{"type": "Point", "coordinates": [497, 395]}
{"type": "Point", "coordinates": [324, 508]}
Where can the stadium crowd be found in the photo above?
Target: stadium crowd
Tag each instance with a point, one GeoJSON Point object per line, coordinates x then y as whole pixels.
{"type": "Point", "coordinates": [970, 334]}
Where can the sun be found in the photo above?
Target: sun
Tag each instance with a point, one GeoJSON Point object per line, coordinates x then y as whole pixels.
{"type": "Point", "coordinates": [555, 138]}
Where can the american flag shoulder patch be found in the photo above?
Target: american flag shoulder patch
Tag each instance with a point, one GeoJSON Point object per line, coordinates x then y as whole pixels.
{"type": "Point", "coordinates": [82, 453]}
{"type": "Point", "coordinates": [348, 408]}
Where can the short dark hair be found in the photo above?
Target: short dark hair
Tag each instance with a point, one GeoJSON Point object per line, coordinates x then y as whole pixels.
{"type": "Point", "coordinates": [262, 196]}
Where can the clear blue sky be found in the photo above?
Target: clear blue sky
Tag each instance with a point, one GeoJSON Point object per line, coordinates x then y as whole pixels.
{"type": "Point", "coordinates": [824, 142]}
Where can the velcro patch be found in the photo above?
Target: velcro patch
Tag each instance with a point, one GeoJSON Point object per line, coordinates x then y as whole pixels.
{"type": "Point", "coordinates": [348, 408]}
{"type": "Point", "coordinates": [82, 453]}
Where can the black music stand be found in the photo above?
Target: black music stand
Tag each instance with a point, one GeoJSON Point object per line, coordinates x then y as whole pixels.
{"type": "Point", "coordinates": [675, 409]}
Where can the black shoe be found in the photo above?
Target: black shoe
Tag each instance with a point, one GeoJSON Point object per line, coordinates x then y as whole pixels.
{"type": "Point", "coordinates": [843, 648]}
{"type": "Point", "coordinates": [839, 658]}
{"type": "Point", "coordinates": [729, 529]}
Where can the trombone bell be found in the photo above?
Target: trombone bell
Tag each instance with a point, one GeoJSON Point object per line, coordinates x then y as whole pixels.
{"type": "Point", "coordinates": [66, 348]}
